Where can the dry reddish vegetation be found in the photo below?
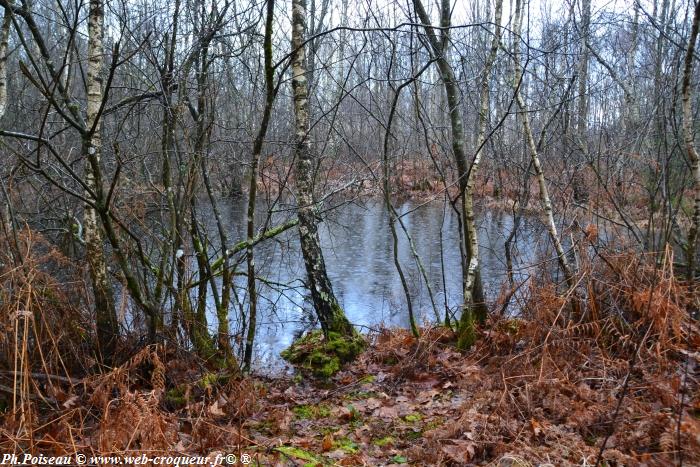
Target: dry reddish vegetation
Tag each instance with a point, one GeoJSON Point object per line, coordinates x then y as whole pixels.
{"type": "Point", "coordinates": [543, 388]}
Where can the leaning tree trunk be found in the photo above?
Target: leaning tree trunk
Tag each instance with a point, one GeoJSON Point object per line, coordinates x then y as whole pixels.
{"type": "Point", "coordinates": [691, 247]}
{"type": "Point", "coordinates": [105, 314]}
{"type": "Point", "coordinates": [532, 147]}
{"type": "Point", "coordinates": [330, 314]}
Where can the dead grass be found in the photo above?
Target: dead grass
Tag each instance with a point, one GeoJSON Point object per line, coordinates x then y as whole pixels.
{"type": "Point", "coordinates": [542, 388]}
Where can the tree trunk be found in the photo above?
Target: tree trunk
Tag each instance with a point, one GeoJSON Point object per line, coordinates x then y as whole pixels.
{"type": "Point", "coordinates": [105, 314]}
{"type": "Point", "coordinates": [580, 191]}
{"type": "Point", "coordinates": [257, 152]}
{"type": "Point", "coordinates": [688, 137]}
{"type": "Point", "coordinates": [532, 147]}
{"type": "Point", "coordinates": [474, 303]}
{"type": "Point", "coordinates": [330, 314]}
{"type": "Point", "coordinates": [466, 336]}
{"type": "Point", "coordinates": [4, 39]}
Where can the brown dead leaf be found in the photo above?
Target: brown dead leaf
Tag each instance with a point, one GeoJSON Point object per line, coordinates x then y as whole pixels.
{"type": "Point", "coordinates": [215, 409]}
{"type": "Point", "coordinates": [459, 450]}
{"type": "Point", "coordinates": [327, 442]}
{"type": "Point", "coordinates": [426, 396]}
{"type": "Point", "coordinates": [368, 404]}
{"type": "Point", "coordinates": [386, 413]}
{"type": "Point", "coordinates": [356, 459]}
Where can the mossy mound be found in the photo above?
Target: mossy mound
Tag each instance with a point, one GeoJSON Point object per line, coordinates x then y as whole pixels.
{"type": "Point", "coordinates": [323, 356]}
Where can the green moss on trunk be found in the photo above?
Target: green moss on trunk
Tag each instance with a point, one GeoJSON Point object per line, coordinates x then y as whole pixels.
{"type": "Point", "coordinates": [466, 332]}
{"type": "Point", "coordinates": [323, 356]}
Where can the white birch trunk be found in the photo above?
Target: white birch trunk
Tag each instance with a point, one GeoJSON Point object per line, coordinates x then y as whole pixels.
{"type": "Point", "coordinates": [105, 314]}
{"type": "Point", "coordinates": [4, 39]}
{"type": "Point", "coordinates": [329, 312]}
{"type": "Point", "coordinates": [532, 147]}
{"type": "Point", "coordinates": [469, 214]}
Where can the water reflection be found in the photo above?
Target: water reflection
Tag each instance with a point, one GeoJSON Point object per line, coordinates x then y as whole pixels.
{"type": "Point", "coordinates": [358, 251]}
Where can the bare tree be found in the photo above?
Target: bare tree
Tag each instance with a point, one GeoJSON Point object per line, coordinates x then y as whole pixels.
{"type": "Point", "coordinates": [689, 139]}
{"type": "Point", "coordinates": [330, 314]}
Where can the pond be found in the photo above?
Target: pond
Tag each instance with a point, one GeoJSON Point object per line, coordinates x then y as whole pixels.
{"type": "Point", "coordinates": [358, 251]}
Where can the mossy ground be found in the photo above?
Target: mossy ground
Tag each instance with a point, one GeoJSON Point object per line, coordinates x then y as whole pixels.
{"type": "Point", "coordinates": [323, 356]}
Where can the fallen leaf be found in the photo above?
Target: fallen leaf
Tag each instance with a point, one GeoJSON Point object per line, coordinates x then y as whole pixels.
{"type": "Point", "coordinates": [215, 409]}
{"type": "Point", "coordinates": [327, 442]}
{"type": "Point", "coordinates": [386, 413]}
{"type": "Point", "coordinates": [426, 396]}
{"type": "Point", "coordinates": [536, 427]}
{"type": "Point", "coordinates": [70, 402]}
{"type": "Point", "coordinates": [460, 451]}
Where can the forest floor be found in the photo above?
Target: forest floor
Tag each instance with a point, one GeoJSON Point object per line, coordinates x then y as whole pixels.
{"type": "Point", "coordinates": [420, 402]}
{"type": "Point", "coordinates": [620, 370]}
{"type": "Point", "coordinates": [512, 401]}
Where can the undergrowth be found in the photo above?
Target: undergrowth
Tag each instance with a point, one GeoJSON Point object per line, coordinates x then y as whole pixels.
{"type": "Point", "coordinates": [547, 386]}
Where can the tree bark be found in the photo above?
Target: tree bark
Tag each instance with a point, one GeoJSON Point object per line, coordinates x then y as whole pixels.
{"type": "Point", "coordinates": [532, 147]}
{"type": "Point", "coordinates": [580, 191]}
{"type": "Point", "coordinates": [105, 314]}
{"type": "Point", "coordinates": [466, 339]}
{"type": "Point", "coordinates": [689, 140]}
{"type": "Point", "coordinates": [330, 314]}
{"type": "Point", "coordinates": [474, 303]}
{"type": "Point", "coordinates": [4, 39]}
{"type": "Point", "coordinates": [257, 152]}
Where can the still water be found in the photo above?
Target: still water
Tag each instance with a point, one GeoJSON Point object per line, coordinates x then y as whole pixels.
{"type": "Point", "coordinates": [358, 250]}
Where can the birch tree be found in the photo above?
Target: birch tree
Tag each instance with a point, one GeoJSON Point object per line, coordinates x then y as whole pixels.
{"type": "Point", "coordinates": [4, 39]}
{"type": "Point", "coordinates": [545, 200]}
{"type": "Point", "coordinates": [330, 314]}
{"type": "Point", "coordinates": [474, 306]}
{"type": "Point", "coordinates": [105, 314]}
{"type": "Point", "coordinates": [467, 337]}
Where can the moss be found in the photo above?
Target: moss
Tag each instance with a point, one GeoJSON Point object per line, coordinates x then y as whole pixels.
{"type": "Point", "coordinates": [298, 453]}
{"type": "Point", "coordinates": [309, 412]}
{"type": "Point", "coordinates": [511, 326]}
{"type": "Point", "coordinates": [385, 441]}
{"type": "Point", "coordinates": [367, 379]}
{"type": "Point", "coordinates": [466, 332]}
{"type": "Point", "coordinates": [434, 424]}
{"type": "Point", "coordinates": [347, 445]}
{"type": "Point", "coordinates": [323, 356]}
{"type": "Point", "coordinates": [176, 398]}
{"type": "Point", "coordinates": [212, 379]}
{"type": "Point", "coordinates": [413, 418]}
{"type": "Point", "coordinates": [413, 435]}
{"type": "Point", "coordinates": [303, 412]}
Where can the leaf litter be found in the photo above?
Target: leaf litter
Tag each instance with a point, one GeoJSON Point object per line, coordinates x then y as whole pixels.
{"type": "Point", "coordinates": [535, 390]}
